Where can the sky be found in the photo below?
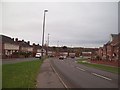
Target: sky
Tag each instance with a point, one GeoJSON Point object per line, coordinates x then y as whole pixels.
{"type": "Point", "coordinates": [75, 24]}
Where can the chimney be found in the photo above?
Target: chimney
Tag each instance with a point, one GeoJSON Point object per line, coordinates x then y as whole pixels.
{"type": "Point", "coordinates": [28, 42]}
{"type": "Point", "coordinates": [33, 44]}
{"type": "Point", "coordinates": [16, 39]}
{"type": "Point", "coordinates": [13, 39]}
{"type": "Point", "coordinates": [22, 40]}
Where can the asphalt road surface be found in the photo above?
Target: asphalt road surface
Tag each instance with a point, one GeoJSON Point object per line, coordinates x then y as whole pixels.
{"type": "Point", "coordinates": [16, 60]}
{"type": "Point", "coordinates": [76, 75]}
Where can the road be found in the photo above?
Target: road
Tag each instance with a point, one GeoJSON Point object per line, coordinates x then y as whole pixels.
{"type": "Point", "coordinates": [16, 60]}
{"type": "Point", "coordinates": [79, 76]}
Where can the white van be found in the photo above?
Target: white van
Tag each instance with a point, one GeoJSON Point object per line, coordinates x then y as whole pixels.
{"type": "Point", "coordinates": [38, 55]}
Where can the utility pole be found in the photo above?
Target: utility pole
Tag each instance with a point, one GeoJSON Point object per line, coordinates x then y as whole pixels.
{"type": "Point", "coordinates": [47, 45]}
{"type": "Point", "coordinates": [57, 48]}
{"type": "Point", "coordinates": [43, 33]}
{"type": "Point", "coordinates": [57, 43]}
{"type": "Point", "coordinates": [48, 39]}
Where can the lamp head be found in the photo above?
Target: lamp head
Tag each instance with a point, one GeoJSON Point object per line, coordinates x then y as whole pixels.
{"type": "Point", "coordinates": [45, 10]}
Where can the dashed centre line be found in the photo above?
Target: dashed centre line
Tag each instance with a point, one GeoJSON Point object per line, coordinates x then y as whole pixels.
{"type": "Point", "coordinates": [80, 69]}
{"type": "Point", "coordinates": [101, 76]}
{"type": "Point", "coordinates": [95, 74]}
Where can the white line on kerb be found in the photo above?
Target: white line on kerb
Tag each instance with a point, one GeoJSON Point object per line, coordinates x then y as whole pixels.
{"type": "Point", "coordinates": [80, 69]}
{"type": "Point", "coordinates": [101, 76]}
{"type": "Point", "coordinates": [59, 77]}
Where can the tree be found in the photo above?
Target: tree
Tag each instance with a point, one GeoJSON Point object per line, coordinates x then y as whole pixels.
{"type": "Point", "coordinates": [64, 48]}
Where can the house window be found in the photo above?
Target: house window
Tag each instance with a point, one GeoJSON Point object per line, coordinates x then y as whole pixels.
{"type": "Point", "coordinates": [7, 52]}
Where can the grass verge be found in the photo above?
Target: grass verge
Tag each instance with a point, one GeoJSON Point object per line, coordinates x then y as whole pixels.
{"type": "Point", "coordinates": [99, 66]}
{"type": "Point", "coordinates": [20, 75]}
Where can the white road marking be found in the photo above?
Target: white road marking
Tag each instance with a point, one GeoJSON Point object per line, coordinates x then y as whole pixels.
{"type": "Point", "coordinates": [101, 76]}
{"type": "Point", "coordinates": [59, 77]}
{"type": "Point", "coordinates": [80, 69]}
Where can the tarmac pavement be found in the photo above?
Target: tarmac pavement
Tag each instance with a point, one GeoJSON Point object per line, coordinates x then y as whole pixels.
{"type": "Point", "coordinates": [47, 77]}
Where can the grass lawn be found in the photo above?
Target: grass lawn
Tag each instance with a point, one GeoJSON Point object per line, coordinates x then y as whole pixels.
{"type": "Point", "coordinates": [20, 75]}
{"type": "Point", "coordinates": [99, 66]}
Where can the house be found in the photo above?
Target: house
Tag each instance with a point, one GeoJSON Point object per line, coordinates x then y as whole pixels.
{"type": "Point", "coordinates": [100, 52]}
{"type": "Point", "coordinates": [8, 46]}
{"type": "Point", "coordinates": [87, 55]}
{"type": "Point", "coordinates": [110, 50]}
{"type": "Point", "coordinates": [25, 48]}
{"type": "Point", "coordinates": [14, 48]}
{"type": "Point", "coordinates": [115, 43]}
{"type": "Point", "coordinates": [38, 49]}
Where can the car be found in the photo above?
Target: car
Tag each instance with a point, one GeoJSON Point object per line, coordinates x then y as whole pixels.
{"type": "Point", "coordinates": [61, 57]}
{"type": "Point", "coordinates": [65, 57]}
{"type": "Point", "coordinates": [72, 56]}
{"type": "Point", "coordinates": [38, 55]}
{"type": "Point", "coordinates": [51, 55]}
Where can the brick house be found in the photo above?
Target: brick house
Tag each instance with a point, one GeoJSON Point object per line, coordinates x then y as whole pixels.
{"type": "Point", "coordinates": [110, 50]}
{"type": "Point", "coordinates": [87, 55]}
{"type": "Point", "coordinates": [104, 52]}
{"type": "Point", "coordinates": [115, 42]}
{"type": "Point", "coordinates": [100, 52]}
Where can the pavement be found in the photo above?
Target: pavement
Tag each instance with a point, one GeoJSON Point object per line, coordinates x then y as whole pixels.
{"type": "Point", "coordinates": [47, 77]}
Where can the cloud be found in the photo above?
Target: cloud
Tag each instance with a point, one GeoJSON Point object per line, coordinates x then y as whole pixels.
{"type": "Point", "coordinates": [76, 23]}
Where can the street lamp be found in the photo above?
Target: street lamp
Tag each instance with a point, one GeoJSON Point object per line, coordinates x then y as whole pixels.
{"type": "Point", "coordinates": [43, 32]}
{"type": "Point", "coordinates": [48, 39]}
{"type": "Point", "coordinates": [47, 45]}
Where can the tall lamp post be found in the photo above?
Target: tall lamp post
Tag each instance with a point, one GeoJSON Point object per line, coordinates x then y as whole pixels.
{"type": "Point", "coordinates": [43, 32]}
{"type": "Point", "coordinates": [47, 45]}
{"type": "Point", "coordinates": [48, 39]}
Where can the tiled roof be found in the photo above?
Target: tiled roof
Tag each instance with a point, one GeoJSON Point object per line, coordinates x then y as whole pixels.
{"type": "Point", "coordinates": [23, 43]}
{"type": "Point", "coordinates": [116, 40]}
{"type": "Point", "coordinates": [6, 39]}
{"type": "Point", "coordinates": [114, 35]}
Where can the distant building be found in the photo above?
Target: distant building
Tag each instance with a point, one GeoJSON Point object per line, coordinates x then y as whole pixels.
{"type": "Point", "coordinates": [87, 55]}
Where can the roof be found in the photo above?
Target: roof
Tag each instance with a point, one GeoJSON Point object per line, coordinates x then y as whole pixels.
{"type": "Point", "coordinates": [116, 39]}
{"type": "Point", "coordinates": [114, 35]}
{"type": "Point", "coordinates": [6, 39]}
{"type": "Point", "coordinates": [37, 46]}
{"type": "Point", "coordinates": [23, 44]}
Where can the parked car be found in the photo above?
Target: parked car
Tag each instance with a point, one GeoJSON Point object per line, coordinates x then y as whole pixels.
{"type": "Point", "coordinates": [38, 55]}
{"type": "Point", "coordinates": [62, 57]}
{"type": "Point", "coordinates": [72, 56]}
{"type": "Point", "coordinates": [51, 55]}
{"type": "Point", "coordinates": [65, 57]}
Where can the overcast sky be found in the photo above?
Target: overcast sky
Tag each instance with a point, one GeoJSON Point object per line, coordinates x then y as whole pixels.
{"type": "Point", "coordinates": [87, 24]}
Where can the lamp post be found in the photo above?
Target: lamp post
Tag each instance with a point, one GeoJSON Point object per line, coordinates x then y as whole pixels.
{"type": "Point", "coordinates": [43, 32]}
{"type": "Point", "coordinates": [48, 39]}
{"type": "Point", "coordinates": [47, 45]}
